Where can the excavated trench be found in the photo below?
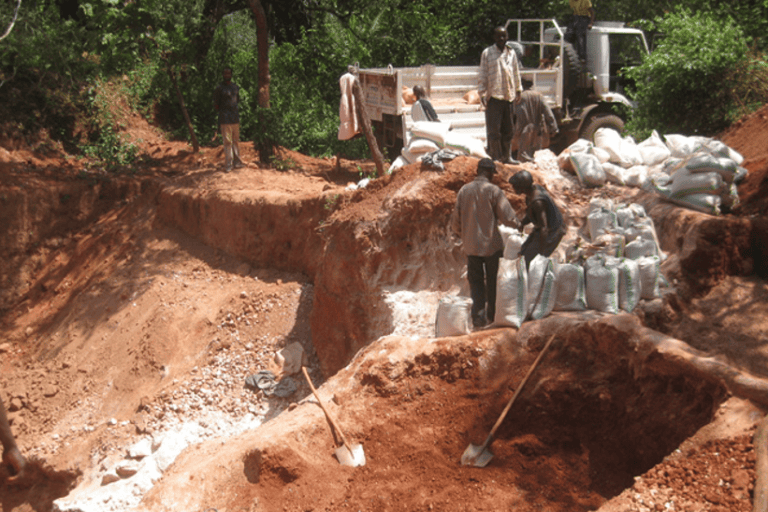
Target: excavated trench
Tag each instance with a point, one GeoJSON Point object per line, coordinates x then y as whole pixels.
{"type": "Point", "coordinates": [608, 403]}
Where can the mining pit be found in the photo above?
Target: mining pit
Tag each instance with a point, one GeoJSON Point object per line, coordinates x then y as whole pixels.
{"type": "Point", "coordinates": [135, 307]}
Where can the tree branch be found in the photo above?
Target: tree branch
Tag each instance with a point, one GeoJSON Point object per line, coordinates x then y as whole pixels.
{"type": "Point", "coordinates": [13, 21]}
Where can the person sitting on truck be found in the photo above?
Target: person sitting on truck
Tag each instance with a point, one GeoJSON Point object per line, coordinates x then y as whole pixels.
{"type": "Point", "coordinates": [534, 125]}
{"type": "Point", "coordinates": [422, 109]}
{"type": "Point", "coordinates": [499, 86]}
{"type": "Point", "coordinates": [583, 19]}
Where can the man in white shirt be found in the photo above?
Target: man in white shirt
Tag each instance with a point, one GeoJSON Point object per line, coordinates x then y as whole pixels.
{"type": "Point", "coordinates": [499, 86]}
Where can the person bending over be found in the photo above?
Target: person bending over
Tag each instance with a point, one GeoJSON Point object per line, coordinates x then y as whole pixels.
{"type": "Point", "coordinates": [541, 210]}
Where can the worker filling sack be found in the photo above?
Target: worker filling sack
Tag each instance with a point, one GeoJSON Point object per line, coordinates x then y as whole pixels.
{"type": "Point", "coordinates": [511, 292]}
{"type": "Point", "coordinates": [454, 316]}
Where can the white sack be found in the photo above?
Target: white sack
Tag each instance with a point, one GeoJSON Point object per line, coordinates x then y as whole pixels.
{"type": "Point", "coordinates": [705, 162]}
{"type": "Point", "coordinates": [636, 176]}
{"type": "Point", "coordinates": [653, 150]}
{"type": "Point", "coordinates": [513, 244]}
{"type": "Point", "coordinates": [649, 276]}
{"type": "Point", "coordinates": [434, 131]}
{"type": "Point", "coordinates": [570, 285]}
{"type": "Point", "coordinates": [630, 287]}
{"type": "Point", "coordinates": [511, 293]}
{"type": "Point", "coordinates": [600, 222]}
{"type": "Point", "coordinates": [609, 140]}
{"type": "Point", "coordinates": [630, 153]}
{"type": "Point", "coordinates": [454, 316]}
{"type": "Point", "coordinates": [398, 163]}
{"type": "Point", "coordinates": [681, 146]}
{"type": "Point", "coordinates": [588, 169]}
{"type": "Point", "coordinates": [685, 182]}
{"type": "Point", "coordinates": [639, 248]}
{"type": "Point", "coordinates": [466, 144]}
{"type": "Point", "coordinates": [615, 174]}
{"type": "Point", "coordinates": [420, 145]}
{"type": "Point", "coordinates": [602, 287]}
{"type": "Point", "coordinates": [541, 287]}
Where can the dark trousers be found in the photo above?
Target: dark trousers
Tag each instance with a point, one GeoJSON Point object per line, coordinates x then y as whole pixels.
{"type": "Point", "coordinates": [498, 120]}
{"type": "Point", "coordinates": [481, 274]}
{"type": "Point", "coordinates": [536, 244]}
{"type": "Point", "coordinates": [577, 35]}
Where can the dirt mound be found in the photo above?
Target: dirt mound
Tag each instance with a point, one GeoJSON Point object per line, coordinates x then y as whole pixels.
{"type": "Point", "coordinates": [750, 136]}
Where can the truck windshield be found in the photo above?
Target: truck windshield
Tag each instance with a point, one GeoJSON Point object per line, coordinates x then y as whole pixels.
{"type": "Point", "coordinates": [626, 50]}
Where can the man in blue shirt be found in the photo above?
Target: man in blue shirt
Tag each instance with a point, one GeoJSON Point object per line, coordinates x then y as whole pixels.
{"type": "Point", "coordinates": [225, 100]}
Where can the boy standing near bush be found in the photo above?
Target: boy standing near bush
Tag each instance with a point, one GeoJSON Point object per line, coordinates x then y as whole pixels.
{"type": "Point", "coordinates": [225, 100]}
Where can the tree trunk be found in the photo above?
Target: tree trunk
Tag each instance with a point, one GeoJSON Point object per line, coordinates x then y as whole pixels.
{"type": "Point", "coordinates": [378, 158]}
{"type": "Point", "coordinates": [172, 75]}
{"type": "Point", "coordinates": [262, 37]}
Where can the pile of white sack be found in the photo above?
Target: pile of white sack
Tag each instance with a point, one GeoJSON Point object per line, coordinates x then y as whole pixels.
{"type": "Point", "coordinates": [610, 269]}
{"type": "Point", "coordinates": [426, 137]}
{"type": "Point", "coordinates": [693, 171]}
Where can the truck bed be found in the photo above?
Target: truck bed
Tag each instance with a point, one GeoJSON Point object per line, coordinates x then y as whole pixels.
{"type": "Point", "coordinates": [445, 86]}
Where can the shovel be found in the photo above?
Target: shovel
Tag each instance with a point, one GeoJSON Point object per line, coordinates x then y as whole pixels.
{"type": "Point", "coordinates": [347, 454]}
{"type": "Point", "coordinates": [481, 455]}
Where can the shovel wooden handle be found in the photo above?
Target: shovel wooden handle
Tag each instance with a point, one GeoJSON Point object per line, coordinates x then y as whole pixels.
{"type": "Point", "coordinates": [517, 393]}
{"type": "Point", "coordinates": [327, 414]}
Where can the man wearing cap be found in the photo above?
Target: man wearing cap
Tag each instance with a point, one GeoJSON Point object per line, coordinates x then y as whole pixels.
{"type": "Point", "coordinates": [480, 207]}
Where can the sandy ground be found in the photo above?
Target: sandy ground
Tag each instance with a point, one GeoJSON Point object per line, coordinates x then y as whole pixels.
{"type": "Point", "coordinates": [127, 340]}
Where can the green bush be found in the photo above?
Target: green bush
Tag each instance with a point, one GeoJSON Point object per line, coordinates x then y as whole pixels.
{"type": "Point", "coordinates": [683, 86]}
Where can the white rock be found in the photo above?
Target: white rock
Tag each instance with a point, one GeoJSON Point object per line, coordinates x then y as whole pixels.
{"type": "Point", "coordinates": [141, 449]}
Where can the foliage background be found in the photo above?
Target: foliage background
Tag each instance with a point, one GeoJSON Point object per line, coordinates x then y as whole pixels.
{"type": "Point", "coordinates": [61, 53]}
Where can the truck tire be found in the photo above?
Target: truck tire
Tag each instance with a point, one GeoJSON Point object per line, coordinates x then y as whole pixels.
{"type": "Point", "coordinates": [571, 70]}
{"type": "Point", "coordinates": [600, 121]}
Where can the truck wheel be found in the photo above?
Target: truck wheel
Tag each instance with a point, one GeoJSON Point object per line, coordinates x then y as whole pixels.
{"type": "Point", "coordinates": [571, 70]}
{"type": "Point", "coordinates": [601, 121]}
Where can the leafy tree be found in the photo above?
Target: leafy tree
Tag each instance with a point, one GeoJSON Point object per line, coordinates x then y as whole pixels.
{"type": "Point", "coordinates": [680, 85]}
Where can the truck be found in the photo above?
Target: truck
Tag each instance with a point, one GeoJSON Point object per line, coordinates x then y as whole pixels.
{"type": "Point", "coordinates": [583, 96]}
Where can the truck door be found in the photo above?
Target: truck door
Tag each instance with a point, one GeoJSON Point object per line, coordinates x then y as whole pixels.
{"type": "Point", "coordinates": [626, 51]}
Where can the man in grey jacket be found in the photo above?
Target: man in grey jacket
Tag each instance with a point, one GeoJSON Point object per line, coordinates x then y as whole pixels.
{"type": "Point", "coordinates": [480, 207]}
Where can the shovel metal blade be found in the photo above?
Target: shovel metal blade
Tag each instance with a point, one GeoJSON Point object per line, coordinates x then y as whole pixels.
{"type": "Point", "coordinates": [351, 456]}
{"type": "Point", "coordinates": [475, 455]}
